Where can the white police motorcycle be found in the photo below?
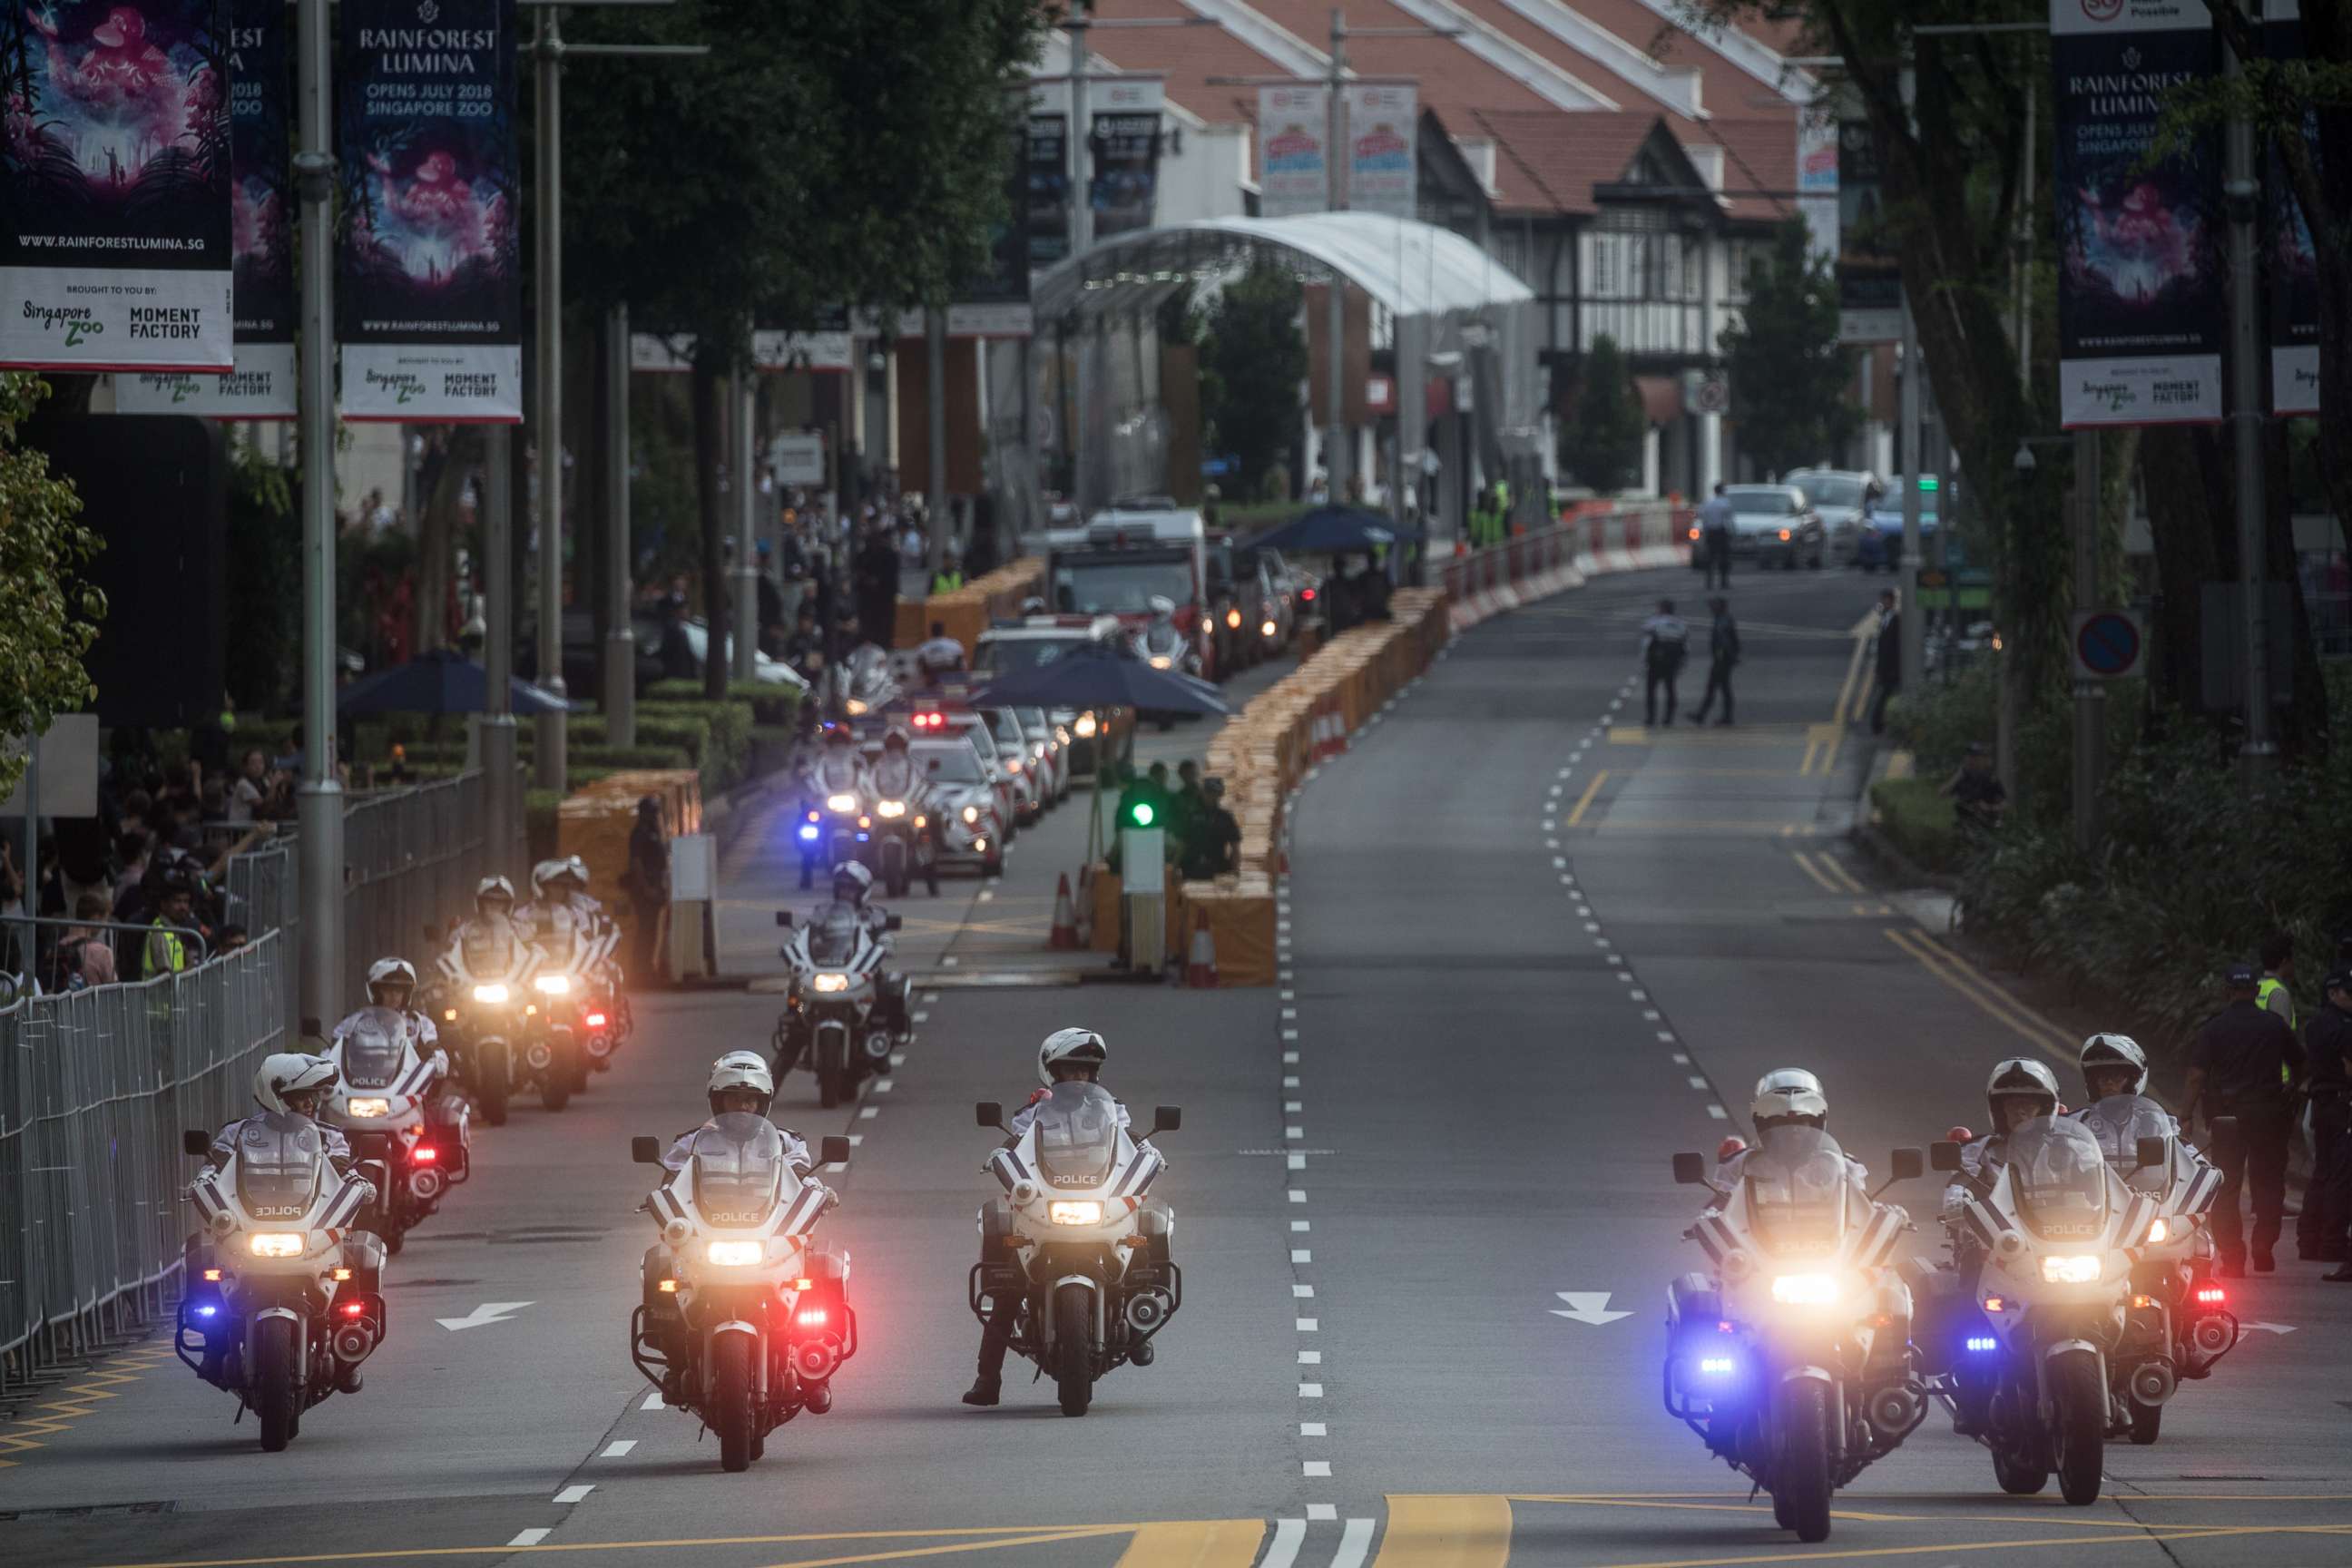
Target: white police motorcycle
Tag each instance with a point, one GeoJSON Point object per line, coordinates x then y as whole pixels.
{"type": "Point", "coordinates": [837, 1020]}
{"type": "Point", "coordinates": [379, 1101]}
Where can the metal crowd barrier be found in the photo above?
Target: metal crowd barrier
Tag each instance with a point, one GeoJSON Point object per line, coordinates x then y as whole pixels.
{"type": "Point", "coordinates": [95, 1087]}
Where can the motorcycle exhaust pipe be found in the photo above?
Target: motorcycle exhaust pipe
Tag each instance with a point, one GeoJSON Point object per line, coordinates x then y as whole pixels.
{"type": "Point", "coordinates": [2213, 1335]}
{"type": "Point", "coordinates": [354, 1342]}
{"type": "Point", "coordinates": [599, 1045]}
{"type": "Point", "coordinates": [1896, 1408]}
{"type": "Point", "coordinates": [425, 1185]}
{"type": "Point", "coordinates": [538, 1056]}
{"type": "Point", "coordinates": [878, 1048]}
{"type": "Point", "coordinates": [1148, 1310]}
{"type": "Point", "coordinates": [2152, 1383]}
{"type": "Point", "coordinates": [815, 1360]}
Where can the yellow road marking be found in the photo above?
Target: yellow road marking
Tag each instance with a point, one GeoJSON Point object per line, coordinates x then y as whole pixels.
{"type": "Point", "coordinates": [1649, 773]}
{"type": "Point", "coordinates": [61, 1409]}
{"type": "Point", "coordinates": [1838, 873]}
{"type": "Point", "coordinates": [979, 1537]}
{"type": "Point", "coordinates": [2107, 1541]}
{"type": "Point", "coordinates": [1446, 1532]}
{"type": "Point", "coordinates": [1805, 864]}
{"type": "Point", "coordinates": [1197, 1544]}
{"type": "Point", "coordinates": [1989, 1001]}
{"type": "Point", "coordinates": [1726, 828]}
{"type": "Point", "coordinates": [1853, 672]}
{"type": "Point", "coordinates": [1945, 951]}
{"type": "Point", "coordinates": [1748, 1507]}
{"type": "Point", "coordinates": [1585, 800]}
{"type": "Point", "coordinates": [1862, 698]}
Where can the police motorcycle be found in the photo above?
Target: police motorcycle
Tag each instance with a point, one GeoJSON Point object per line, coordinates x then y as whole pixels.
{"type": "Point", "coordinates": [903, 844]}
{"type": "Point", "coordinates": [581, 940]}
{"type": "Point", "coordinates": [1162, 644]}
{"type": "Point", "coordinates": [2056, 1238]}
{"type": "Point", "coordinates": [835, 800]}
{"type": "Point", "coordinates": [745, 1319]}
{"type": "Point", "coordinates": [380, 1102]}
{"type": "Point", "coordinates": [860, 682]}
{"type": "Point", "coordinates": [836, 1020]}
{"type": "Point", "coordinates": [1075, 1241]}
{"type": "Point", "coordinates": [566, 988]}
{"type": "Point", "coordinates": [1793, 1361]}
{"type": "Point", "coordinates": [282, 1302]}
{"type": "Point", "coordinates": [490, 1008]}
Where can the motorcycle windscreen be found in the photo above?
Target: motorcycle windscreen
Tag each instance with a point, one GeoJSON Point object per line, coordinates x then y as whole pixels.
{"type": "Point", "coordinates": [2119, 1122]}
{"type": "Point", "coordinates": [2059, 1174]}
{"type": "Point", "coordinates": [739, 1168]}
{"type": "Point", "coordinates": [281, 1159]}
{"type": "Point", "coordinates": [1797, 1185]}
{"type": "Point", "coordinates": [487, 948]}
{"type": "Point", "coordinates": [833, 934]}
{"type": "Point", "coordinates": [1077, 1135]}
{"type": "Point", "coordinates": [376, 1048]}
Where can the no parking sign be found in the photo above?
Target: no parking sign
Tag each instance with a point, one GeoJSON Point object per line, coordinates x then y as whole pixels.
{"type": "Point", "coordinates": [2107, 645]}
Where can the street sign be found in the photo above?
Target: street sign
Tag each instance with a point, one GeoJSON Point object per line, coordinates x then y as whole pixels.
{"type": "Point", "coordinates": [2107, 645]}
{"type": "Point", "coordinates": [798, 456]}
{"type": "Point", "coordinates": [1711, 393]}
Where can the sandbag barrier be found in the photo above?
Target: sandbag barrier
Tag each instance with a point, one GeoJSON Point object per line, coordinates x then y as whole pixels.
{"type": "Point", "coordinates": [966, 612]}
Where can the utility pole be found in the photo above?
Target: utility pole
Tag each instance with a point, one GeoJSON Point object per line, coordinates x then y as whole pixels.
{"type": "Point", "coordinates": [549, 768]}
{"type": "Point", "coordinates": [497, 725]}
{"type": "Point", "coordinates": [743, 646]}
{"type": "Point", "coordinates": [320, 808]}
{"type": "Point", "coordinates": [935, 432]}
{"type": "Point", "coordinates": [620, 636]}
{"type": "Point", "coordinates": [1914, 647]}
{"type": "Point", "coordinates": [2090, 696]}
{"type": "Point", "coordinates": [2241, 195]}
{"type": "Point", "coordinates": [1336, 454]}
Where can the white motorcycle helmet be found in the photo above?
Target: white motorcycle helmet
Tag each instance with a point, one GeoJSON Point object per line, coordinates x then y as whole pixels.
{"type": "Point", "coordinates": [391, 972]}
{"type": "Point", "coordinates": [2109, 1052]}
{"type": "Point", "coordinates": [1071, 1051]}
{"type": "Point", "coordinates": [740, 1070]}
{"type": "Point", "coordinates": [494, 888]}
{"type": "Point", "coordinates": [1787, 1096]}
{"type": "Point", "coordinates": [545, 872]}
{"type": "Point", "coordinates": [861, 883]}
{"type": "Point", "coordinates": [2020, 1077]}
{"type": "Point", "coordinates": [289, 1075]}
{"type": "Point", "coordinates": [577, 870]}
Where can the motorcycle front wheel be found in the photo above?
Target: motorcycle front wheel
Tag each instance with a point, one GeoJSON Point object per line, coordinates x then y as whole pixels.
{"type": "Point", "coordinates": [276, 1391]}
{"type": "Point", "coordinates": [492, 1092]}
{"type": "Point", "coordinates": [2146, 1422]}
{"type": "Point", "coordinates": [1803, 1475]}
{"type": "Point", "coordinates": [555, 1084]}
{"type": "Point", "coordinates": [1073, 1372]}
{"type": "Point", "coordinates": [2081, 1399]}
{"type": "Point", "coordinates": [731, 1400]}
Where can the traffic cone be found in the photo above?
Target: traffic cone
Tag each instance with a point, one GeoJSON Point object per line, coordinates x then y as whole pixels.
{"type": "Point", "coordinates": [1200, 966]}
{"type": "Point", "coordinates": [1085, 924]}
{"type": "Point", "coordinates": [1065, 923]}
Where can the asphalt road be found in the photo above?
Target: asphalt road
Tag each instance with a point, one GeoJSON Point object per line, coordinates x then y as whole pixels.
{"type": "Point", "coordinates": [1534, 947]}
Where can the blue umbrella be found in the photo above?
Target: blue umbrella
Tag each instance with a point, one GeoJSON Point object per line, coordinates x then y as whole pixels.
{"type": "Point", "coordinates": [1333, 531]}
{"type": "Point", "coordinates": [1102, 676]}
{"type": "Point", "coordinates": [441, 681]}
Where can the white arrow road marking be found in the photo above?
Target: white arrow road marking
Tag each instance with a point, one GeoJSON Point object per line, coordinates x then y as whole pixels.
{"type": "Point", "coordinates": [1354, 1542]}
{"type": "Point", "coordinates": [2272, 1328]}
{"type": "Point", "coordinates": [487, 1312]}
{"type": "Point", "coordinates": [1587, 1307]}
{"type": "Point", "coordinates": [1289, 1533]}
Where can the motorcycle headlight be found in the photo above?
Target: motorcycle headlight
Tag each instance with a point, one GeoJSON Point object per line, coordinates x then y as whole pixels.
{"type": "Point", "coordinates": [552, 984]}
{"type": "Point", "coordinates": [1012, 765]}
{"type": "Point", "coordinates": [2158, 1231]}
{"type": "Point", "coordinates": [1807, 1289]}
{"type": "Point", "coordinates": [890, 808]}
{"type": "Point", "coordinates": [1160, 661]}
{"type": "Point", "coordinates": [274, 1243]}
{"type": "Point", "coordinates": [841, 803]}
{"type": "Point", "coordinates": [1037, 748]}
{"type": "Point", "coordinates": [1233, 619]}
{"type": "Point", "coordinates": [1269, 629]}
{"type": "Point", "coordinates": [494, 992]}
{"type": "Point", "coordinates": [1062, 734]}
{"type": "Point", "coordinates": [854, 707]}
{"type": "Point", "coordinates": [1074, 1211]}
{"type": "Point", "coordinates": [367, 1106]}
{"type": "Point", "coordinates": [972, 814]}
{"type": "Point", "coordinates": [1086, 726]}
{"type": "Point", "coordinates": [829, 983]}
{"type": "Point", "coordinates": [1208, 624]}
{"type": "Point", "coordinates": [2073, 1269]}
{"type": "Point", "coordinates": [733, 1254]}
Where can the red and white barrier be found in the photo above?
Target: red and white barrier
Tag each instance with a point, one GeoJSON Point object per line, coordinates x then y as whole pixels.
{"type": "Point", "coordinates": [1642, 537]}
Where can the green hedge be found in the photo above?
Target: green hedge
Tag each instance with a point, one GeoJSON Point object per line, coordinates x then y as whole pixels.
{"type": "Point", "coordinates": [726, 759]}
{"type": "Point", "coordinates": [1917, 820]}
{"type": "Point", "coordinates": [539, 808]}
{"type": "Point", "coordinates": [769, 706]}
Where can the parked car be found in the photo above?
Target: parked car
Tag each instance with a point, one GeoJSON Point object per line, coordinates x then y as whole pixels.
{"type": "Point", "coordinates": [1843, 498]}
{"type": "Point", "coordinates": [649, 633]}
{"type": "Point", "coordinates": [1773, 525]}
{"type": "Point", "coordinates": [1880, 545]}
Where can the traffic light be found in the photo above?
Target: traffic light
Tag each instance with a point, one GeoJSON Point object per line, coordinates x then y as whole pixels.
{"type": "Point", "coordinates": [1929, 482]}
{"type": "Point", "coordinates": [1140, 814]}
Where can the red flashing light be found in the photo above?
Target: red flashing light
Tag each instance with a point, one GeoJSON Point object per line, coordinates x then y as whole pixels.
{"type": "Point", "coordinates": [595, 1020]}
{"type": "Point", "coordinates": [1728, 1147]}
{"type": "Point", "coordinates": [213, 1275]}
{"type": "Point", "coordinates": [1306, 595]}
{"type": "Point", "coordinates": [812, 1317]}
{"type": "Point", "coordinates": [2211, 1296]}
{"type": "Point", "coordinates": [1958, 1135]}
{"type": "Point", "coordinates": [353, 1308]}
{"type": "Point", "coordinates": [425, 1153]}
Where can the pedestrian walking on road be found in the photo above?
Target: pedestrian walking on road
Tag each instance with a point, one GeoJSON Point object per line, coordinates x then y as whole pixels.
{"type": "Point", "coordinates": [1715, 538]}
{"type": "Point", "coordinates": [1665, 643]}
{"type": "Point", "coordinates": [1722, 652]}
{"type": "Point", "coordinates": [1890, 657]}
{"type": "Point", "coordinates": [2319, 1231]}
{"type": "Point", "coordinates": [2246, 1065]}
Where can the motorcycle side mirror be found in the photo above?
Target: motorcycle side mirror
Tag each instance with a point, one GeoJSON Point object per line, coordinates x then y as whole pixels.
{"type": "Point", "coordinates": [784, 919]}
{"type": "Point", "coordinates": [1907, 1164]}
{"type": "Point", "coordinates": [195, 1142]}
{"type": "Point", "coordinates": [646, 1150]}
{"type": "Point", "coordinates": [1944, 1156]}
{"type": "Point", "coordinates": [988, 1113]}
{"type": "Point", "coordinates": [1690, 1171]}
{"type": "Point", "coordinates": [933, 765]}
{"type": "Point", "coordinates": [893, 922]}
{"type": "Point", "coordinates": [2154, 1151]}
{"type": "Point", "coordinates": [2226, 1142]}
{"type": "Point", "coordinates": [1166, 1119]}
{"type": "Point", "coordinates": [314, 1027]}
{"type": "Point", "coordinates": [834, 1151]}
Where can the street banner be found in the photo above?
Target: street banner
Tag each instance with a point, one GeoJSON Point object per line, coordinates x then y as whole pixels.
{"type": "Point", "coordinates": [1048, 190]}
{"type": "Point", "coordinates": [1006, 278]}
{"type": "Point", "coordinates": [1817, 182]}
{"type": "Point", "coordinates": [2141, 310]}
{"type": "Point", "coordinates": [1294, 126]}
{"type": "Point", "coordinates": [114, 186]}
{"type": "Point", "coordinates": [2293, 271]}
{"type": "Point", "coordinates": [1381, 164]}
{"type": "Point", "coordinates": [1869, 276]}
{"type": "Point", "coordinates": [428, 291]}
{"type": "Point", "coordinates": [1125, 181]}
{"type": "Point", "coordinates": [261, 228]}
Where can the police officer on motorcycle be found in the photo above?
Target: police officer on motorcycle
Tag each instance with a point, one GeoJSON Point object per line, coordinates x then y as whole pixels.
{"type": "Point", "coordinates": [853, 886]}
{"type": "Point", "coordinates": [1785, 1097]}
{"type": "Point", "coordinates": [486, 946]}
{"type": "Point", "coordinates": [895, 776]}
{"type": "Point", "coordinates": [391, 984]}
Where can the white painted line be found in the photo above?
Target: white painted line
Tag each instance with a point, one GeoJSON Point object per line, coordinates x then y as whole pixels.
{"type": "Point", "coordinates": [1603, 942]}
{"type": "Point", "coordinates": [1298, 1195]}
{"type": "Point", "coordinates": [1281, 925]}
{"type": "Point", "coordinates": [897, 1059]}
{"type": "Point", "coordinates": [1289, 1033]}
{"type": "Point", "coordinates": [1297, 1161]}
{"type": "Point", "coordinates": [883, 1085]}
{"type": "Point", "coordinates": [1550, 825]}
{"type": "Point", "coordinates": [1559, 862]}
{"type": "Point", "coordinates": [1636, 995]}
{"type": "Point", "coordinates": [1307, 1325]}
{"type": "Point", "coordinates": [1310, 1391]}
{"type": "Point", "coordinates": [1290, 1058]}
{"type": "Point", "coordinates": [1289, 1533]}
{"type": "Point", "coordinates": [1290, 1080]}
{"type": "Point", "coordinates": [1697, 1082]}
{"type": "Point", "coordinates": [652, 1402]}
{"type": "Point", "coordinates": [949, 962]}
{"type": "Point", "coordinates": [1681, 1060]}
{"type": "Point", "coordinates": [986, 894]}
{"type": "Point", "coordinates": [1290, 995]}
{"type": "Point", "coordinates": [1290, 1012]}
{"type": "Point", "coordinates": [1665, 1033]}
{"type": "Point", "coordinates": [854, 1139]}
{"type": "Point", "coordinates": [575, 1493]}
{"type": "Point", "coordinates": [1593, 925]}
{"type": "Point", "coordinates": [1614, 957]}
{"type": "Point", "coordinates": [618, 1449]}
{"type": "Point", "coordinates": [922, 1017]}
{"type": "Point", "coordinates": [868, 1112]}
{"type": "Point", "coordinates": [1310, 1358]}
{"type": "Point", "coordinates": [1313, 1429]}
{"type": "Point", "coordinates": [1585, 911]}
{"type": "Point", "coordinates": [1557, 788]}
{"type": "Point", "coordinates": [1302, 1292]}
{"type": "Point", "coordinates": [1294, 1106]}
{"type": "Point", "coordinates": [1293, 1133]}
{"type": "Point", "coordinates": [1355, 1540]}
{"type": "Point", "coordinates": [1298, 1225]}
{"type": "Point", "coordinates": [929, 997]}
{"type": "Point", "coordinates": [1651, 1014]}
{"type": "Point", "coordinates": [1315, 1466]}
{"type": "Point", "coordinates": [1716, 1111]}
{"type": "Point", "coordinates": [1298, 1255]}
{"type": "Point", "coordinates": [1551, 843]}
{"type": "Point", "coordinates": [530, 1537]}
{"type": "Point", "coordinates": [1322, 1510]}
{"type": "Point", "coordinates": [1621, 973]}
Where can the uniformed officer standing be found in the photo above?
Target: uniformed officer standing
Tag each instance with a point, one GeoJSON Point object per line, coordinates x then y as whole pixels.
{"type": "Point", "coordinates": [2327, 1057]}
{"type": "Point", "coordinates": [2247, 1064]}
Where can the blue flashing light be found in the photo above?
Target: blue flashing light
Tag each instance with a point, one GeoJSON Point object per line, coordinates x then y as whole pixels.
{"type": "Point", "coordinates": [808, 830]}
{"type": "Point", "coordinates": [1983, 1344]}
{"type": "Point", "coordinates": [1718, 1365]}
{"type": "Point", "coordinates": [207, 1311]}
{"type": "Point", "coordinates": [863, 838]}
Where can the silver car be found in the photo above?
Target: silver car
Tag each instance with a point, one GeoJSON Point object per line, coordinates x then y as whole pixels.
{"type": "Point", "coordinates": [1773, 525]}
{"type": "Point", "coordinates": [1843, 497]}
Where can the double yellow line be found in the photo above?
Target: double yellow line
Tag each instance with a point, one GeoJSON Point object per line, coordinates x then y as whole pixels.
{"type": "Point", "coordinates": [1829, 875]}
{"type": "Point", "coordinates": [1962, 976]}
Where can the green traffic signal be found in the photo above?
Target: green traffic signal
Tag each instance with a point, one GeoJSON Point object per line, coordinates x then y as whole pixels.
{"type": "Point", "coordinates": [1929, 481]}
{"type": "Point", "coordinates": [1140, 814]}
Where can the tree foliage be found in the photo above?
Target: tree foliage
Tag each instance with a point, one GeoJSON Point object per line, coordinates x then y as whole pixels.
{"type": "Point", "coordinates": [48, 617]}
{"type": "Point", "coordinates": [1600, 442]}
{"type": "Point", "coordinates": [1252, 359]}
{"type": "Point", "coordinates": [1791, 379]}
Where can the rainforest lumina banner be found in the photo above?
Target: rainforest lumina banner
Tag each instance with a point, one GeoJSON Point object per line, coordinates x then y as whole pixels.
{"type": "Point", "coordinates": [2292, 268]}
{"type": "Point", "coordinates": [428, 290]}
{"type": "Point", "coordinates": [261, 225]}
{"type": "Point", "coordinates": [115, 186]}
{"type": "Point", "coordinates": [2141, 314]}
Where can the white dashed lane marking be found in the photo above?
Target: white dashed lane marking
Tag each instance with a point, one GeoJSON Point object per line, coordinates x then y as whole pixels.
{"type": "Point", "coordinates": [618, 1449]}
{"type": "Point", "coordinates": [531, 1537]}
{"type": "Point", "coordinates": [575, 1493]}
